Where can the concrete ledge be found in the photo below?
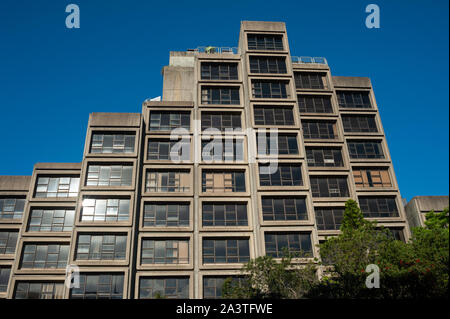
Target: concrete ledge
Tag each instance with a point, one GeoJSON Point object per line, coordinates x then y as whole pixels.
{"type": "Point", "coordinates": [58, 166]}
{"type": "Point", "coordinates": [15, 183]}
{"type": "Point", "coordinates": [115, 119]}
{"type": "Point", "coordinates": [352, 82]}
{"type": "Point", "coordinates": [263, 26]}
{"type": "Point", "coordinates": [427, 203]}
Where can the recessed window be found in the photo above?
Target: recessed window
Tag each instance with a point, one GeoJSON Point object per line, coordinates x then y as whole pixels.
{"type": "Point", "coordinates": [101, 247]}
{"type": "Point", "coordinates": [39, 290]}
{"type": "Point", "coordinates": [164, 287]}
{"type": "Point", "coordinates": [4, 278]}
{"type": "Point", "coordinates": [324, 157]}
{"type": "Point", "coordinates": [359, 123]}
{"type": "Point", "coordinates": [51, 219]}
{"type": "Point", "coordinates": [165, 251]}
{"type": "Point", "coordinates": [265, 64]}
{"type": "Point", "coordinates": [285, 175]}
{"type": "Point", "coordinates": [223, 181]}
{"type": "Point", "coordinates": [327, 186]}
{"type": "Point", "coordinates": [219, 71]}
{"type": "Point", "coordinates": [266, 42]}
{"type": "Point", "coordinates": [11, 208]}
{"type": "Point", "coordinates": [166, 214]}
{"type": "Point", "coordinates": [99, 286]}
{"type": "Point", "coordinates": [221, 121]}
{"type": "Point", "coordinates": [329, 218]}
{"type": "Point", "coordinates": [164, 149]}
{"type": "Point", "coordinates": [397, 233]}
{"type": "Point", "coordinates": [97, 209]}
{"type": "Point", "coordinates": [168, 181]}
{"type": "Point", "coordinates": [358, 100]}
{"type": "Point", "coordinates": [311, 80]}
{"type": "Point", "coordinates": [224, 214]}
{"type": "Point", "coordinates": [225, 250]}
{"type": "Point", "coordinates": [284, 208]}
{"type": "Point", "coordinates": [374, 207]}
{"type": "Point", "coordinates": [270, 89]}
{"type": "Point", "coordinates": [274, 115]}
{"type": "Point", "coordinates": [49, 186]}
{"type": "Point", "coordinates": [8, 241]}
{"type": "Point", "coordinates": [112, 143]}
{"type": "Point", "coordinates": [281, 144]}
{"type": "Point", "coordinates": [319, 130]}
{"type": "Point", "coordinates": [365, 149]}
{"type": "Point", "coordinates": [220, 95]}
{"type": "Point", "coordinates": [372, 177]}
{"type": "Point", "coordinates": [226, 150]}
{"type": "Point", "coordinates": [213, 285]}
{"type": "Point", "coordinates": [169, 120]}
{"type": "Point", "coordinates": [314, 104]}
{"type": "Point", "coordinates": [109, 175]}
{"type": "Point", "coordinates": [295, 243]}
{"type": "Point", "coordinates": [44, 256]}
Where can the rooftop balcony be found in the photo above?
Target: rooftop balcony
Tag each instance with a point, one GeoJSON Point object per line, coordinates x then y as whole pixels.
{"type": "Point", "coordinates": [215, 50]}
{"type": "Point", "coordinates": [309, 60]}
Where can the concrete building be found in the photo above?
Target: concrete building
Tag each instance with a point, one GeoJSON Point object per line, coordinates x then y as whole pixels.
{"type": "Point", "coordinates": [138, 224]}
{"type": "Point", "coordinates": [419, 206]}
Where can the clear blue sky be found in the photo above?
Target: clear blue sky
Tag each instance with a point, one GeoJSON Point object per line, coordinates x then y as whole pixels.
{"type": "Point", "coordinates": [51, 77]}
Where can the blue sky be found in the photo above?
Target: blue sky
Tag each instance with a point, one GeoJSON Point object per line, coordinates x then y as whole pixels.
{"type": "Point", "coordinates": [52, 77]}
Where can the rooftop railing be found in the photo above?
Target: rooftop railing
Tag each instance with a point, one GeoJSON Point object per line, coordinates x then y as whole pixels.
{"type": "Point", "coordinates": [309, 60]}
{"type": "Point", "coordinates": [215, 50]}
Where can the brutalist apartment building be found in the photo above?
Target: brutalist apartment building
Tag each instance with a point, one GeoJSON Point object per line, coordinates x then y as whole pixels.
{"type": "Point", "coordinates": [132, 222]}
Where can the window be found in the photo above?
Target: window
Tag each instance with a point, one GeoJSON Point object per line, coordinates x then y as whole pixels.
{"type": "Point", "coordinates": [66, 186]}
{"type": "Point", "coordinates": [165, 251]}
{"type": "Point", "coordinates": [270, 89]}
{"type": "Point", "coordinates": [365, 149]}
{"type": "Point", "coordinates": [101, 247]}
{"type": "Point", "coordinates": [224, 214]}
{"type": "Point", "coordinates": [326, 186]}
{"type": "Point", "coordinates": [166, 214]}
{"type": "Point", "coordinates": [219, 71]}
{"type": "Point", "coordinates": [8, 240]}
{"type": "Point", "coordinates": [284, 208]}
{"type": "Point", "coordinates": [4, 278]}
{"type": "Point", "coordinates": [313, 80]}
{"type": "Point", "coordinates": [372, 177]}
{"type": "Point", "coordinates": [314, 104]}
{"type": "Point", "coordinates": [115, 143]}
{"type": "Point", "coordinates": [324, 157]}
{"type": "Point", "coordinates": [99, 286]}
{"type": "Point", "coordinates": [274, 115]}
{"type": "Point", "coordinates": [397, 233]}
{"type": "Point", "coordinates": [373, 207]}
{"type": "Point", "coordinates": [329, 218]}
{"type": "Point", "coordinates": [168, 181]}
{"type": "Point", "coordinates": [220, 95]}
{"type": "Point", "coordinates": [285, 144]}
{"type": "Point", "coordinates": [221, 121]}
{"type": "Point", "coordinates": [164, 149]}
{"type": "Point", "coordinates": [44, 256]}
{"type": "Point", "coordinates": [51, 219]}
{"type": "Point", "coordinates": [319, 130]}
{"type": "Point", "coordinates": [228, 150]}
{"type": "Point", "coordinates": [359, 124]}
{"type": "Point", "coordinates": [264, 64]}
{"type": "Point", "coordinates": [265, 42]}
{"type": "Point", "coordinates": [213, 285]}
{"type": "Point", "coordinates": [228, 181]}
{"type": "Point", "coordinates": [285, 175]}
{"type": "Point", "coordinates": [358, 100]}
{"type": "Point", "coordinates": [225, 250]}
{"type": "Point", "coordinates": [96, 209]}
{"type": "Point", "coordinates": [164, 287]}
{"type": "Point", "coordinates": [39, 290]}
{"type": "Point", "coordinates": [169, 120]}
{"type": "Point", "coordinates": [109, 175]}
{"type": "Point", "coordinates": [11, 208]}
{"type": "Point", "coordinates": [294, 242]}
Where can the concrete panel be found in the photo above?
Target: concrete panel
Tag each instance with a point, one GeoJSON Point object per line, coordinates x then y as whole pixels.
{"type": "Point", "coordinates": [178, 83]}
{"type": "Point", "coordinates": [115, 119]}
{"type": "Point", "coordinates": [351, 81]}
{"type": "Point", "coordinates": [15, 183]}
{"type": "Point", "coordinates": [427, 203]}
{"type": "Point", "coordinates": [267, 26]}
{"type": "Point", "coordinates": [58, 166]}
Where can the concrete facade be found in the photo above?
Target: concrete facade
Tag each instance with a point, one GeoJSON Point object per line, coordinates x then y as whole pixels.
{"type": "Point", "coordinates": [260, 77]}
{"type": "Point", "coordinates": [419, 206]}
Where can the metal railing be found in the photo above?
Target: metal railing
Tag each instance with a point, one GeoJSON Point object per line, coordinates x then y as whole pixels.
{"type": "Point", "coordinates": [215, 50]}
{"type": "Point", "coordinates": [309, 60]}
